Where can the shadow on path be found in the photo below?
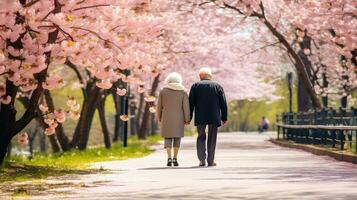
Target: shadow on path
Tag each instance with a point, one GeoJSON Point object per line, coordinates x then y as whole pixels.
{"type": "Point", "coordinates": [169, 168]}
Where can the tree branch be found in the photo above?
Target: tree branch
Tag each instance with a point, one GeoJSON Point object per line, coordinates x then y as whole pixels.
{"type": "Point", "coordinates": [29, 4]}
{"type": "Point", "coordinates": [260, 48]}
{"type": "Point", "coordinates": [93, 6]}
{"type": "Point", "coordinates": [98, 36]}
{"type": "Point", "coordinates": [78, 73]}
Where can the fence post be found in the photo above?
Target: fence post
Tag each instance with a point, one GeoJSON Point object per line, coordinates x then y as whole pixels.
{"type": "Point", "coordinates": [315, 134]}
{"type": "Point", "coordinates": [342, 132]}
{"type": "Point", "coordinates": [324, 121]}
{"type": "Point", "coordinates": [312, 131]}
{"type": "Point", "coordinates": [278, 127]}
{"type": "Point", "coordinates": [354, 123]}
{"type": "Point", "coordinates": [333, 132]}
{"type": "Point", "coordinates": [342, 137]}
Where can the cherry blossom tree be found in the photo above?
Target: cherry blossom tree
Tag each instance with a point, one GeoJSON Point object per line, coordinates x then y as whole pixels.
{"type": "Point", "coordinates": [40, 35]}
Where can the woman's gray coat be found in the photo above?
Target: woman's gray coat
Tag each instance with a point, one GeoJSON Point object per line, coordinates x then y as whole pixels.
{"type": "Point", "coordinates": [173, 110]}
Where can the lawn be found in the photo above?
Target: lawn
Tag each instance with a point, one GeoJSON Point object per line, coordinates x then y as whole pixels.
{"type": "Point", "coordinates": [73, 162]}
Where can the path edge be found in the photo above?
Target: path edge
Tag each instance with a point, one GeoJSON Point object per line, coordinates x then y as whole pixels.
{"type": "Point", "coordinates": [340, 156]}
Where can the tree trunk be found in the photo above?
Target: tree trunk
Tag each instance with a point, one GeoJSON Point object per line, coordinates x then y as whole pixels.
{"type": "Point", "coordinates": [304, 100]}
{"type": "Point", "coordinates": [86, 119]}
{"type": "Point", "coordinates": [42, 142]}
{"type": "Point", "coordinates": [31, 138]}
{"type": "Point", "coordinates": [61, 136]}
{"type": "Point", "coordinates": [132, 112]}
{"type": "Point", "coordinates": [117, 126]}
{"type": "Point", "coordinates": [9, 127]}
{"type": "Point", "coordinates": [139, 112]}
{"type": "Point", "coordinates": [145, 121]}
{"type": "Point", "coordinates": [55, 146]}
{"type": "Point", "coordinates": [325, 85]}
{"type": "Point", "coordinates": [9, 150]}
{"type": "Point", "coordinates": [7, 119]}
{"type": "Point", "coordinates": [52, 138]}
{"type": "Point", "coordinates": [153, 124]}
{"type": "Point", "coordinates": [103, 122]}
{"type": "Point", "coordinates": [300, 67]}
{"type": "Point", "coordinates": [4, 143]}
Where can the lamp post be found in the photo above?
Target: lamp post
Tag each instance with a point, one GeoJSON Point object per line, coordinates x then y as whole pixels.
{"type": "Point", "coordinates": [125, 108]}
{"type": "Point", "coordinates": [290, 85]}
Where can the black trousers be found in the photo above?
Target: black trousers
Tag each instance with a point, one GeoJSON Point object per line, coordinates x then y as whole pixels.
{"type": "Point", "coordinates": [211, 143]}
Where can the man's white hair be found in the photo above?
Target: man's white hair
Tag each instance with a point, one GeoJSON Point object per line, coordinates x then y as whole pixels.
{"type": "Point", "coordinates": [173, 77]}
{"type": "Point", "coordinates": [205, 71]}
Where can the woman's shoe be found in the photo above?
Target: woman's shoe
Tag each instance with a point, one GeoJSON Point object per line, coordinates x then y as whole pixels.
{"type": "Point", "coordinates": [174, 161]}
{"type": "Point", "coordinates": [169, 162]}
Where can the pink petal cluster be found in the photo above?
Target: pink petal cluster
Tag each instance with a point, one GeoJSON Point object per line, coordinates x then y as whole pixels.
{"type": "Point", "coordinates": [22, 139]}
{"type": "Point", "coordinates": [152, 109]}
{"type": "Point", "coordinates": [4, 99]}
{"type": "Point", "coordinates": [150, 99]}
{"type": "Point", "coordinates": [53, 82]}
{"type": "Point", "coordinates": [124, 118]}
{"type": "Point", "coordinates": [121, 92]}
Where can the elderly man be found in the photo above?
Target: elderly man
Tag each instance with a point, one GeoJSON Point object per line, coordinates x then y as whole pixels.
{"type": "Point", "coordinates": [208, 102]}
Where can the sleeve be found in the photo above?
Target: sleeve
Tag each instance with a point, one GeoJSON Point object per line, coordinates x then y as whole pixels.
{"type": "Point", "coordinates": [186, 107]}
{"type": "Point", "coordinates": [192, 100]}
{"type": "Point", "coordinates": [159, 107]}
{"type": "Point", "coordinates": [223, 105]}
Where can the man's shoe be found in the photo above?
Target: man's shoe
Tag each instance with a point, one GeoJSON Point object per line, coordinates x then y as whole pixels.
{"type": "Point", "coordinates": [202, 164]}
{"type": "Point", "coordinates": [212, 165]}
{"type": "Point", "coordinates": [169, 162]}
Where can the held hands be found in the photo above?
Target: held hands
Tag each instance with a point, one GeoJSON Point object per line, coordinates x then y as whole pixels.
{"type": "Point", "coordinates": [187, 123]}
{"type": "Point", "coordinates": [224, 122]}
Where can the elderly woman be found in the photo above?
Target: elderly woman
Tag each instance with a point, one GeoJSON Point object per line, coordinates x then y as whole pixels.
{"type": "Point", "coordinates": [173, 112]}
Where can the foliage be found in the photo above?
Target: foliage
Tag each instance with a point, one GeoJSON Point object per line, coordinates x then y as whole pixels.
{"type": "Point", "coordinates": [245, 115]}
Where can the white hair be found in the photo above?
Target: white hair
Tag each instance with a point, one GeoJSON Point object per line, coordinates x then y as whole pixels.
{"type": "Point", "coordinates": [205, 71]}
{"type": "Point", "coordinates": [173, 77]}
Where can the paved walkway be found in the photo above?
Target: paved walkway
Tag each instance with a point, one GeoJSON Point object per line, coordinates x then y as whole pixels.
{"type": "Point", "coordinates": [249, 167]}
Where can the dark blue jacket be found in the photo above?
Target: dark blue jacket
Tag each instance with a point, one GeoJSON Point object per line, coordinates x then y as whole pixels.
{"type": "Point", "coordinates": [208, 101]}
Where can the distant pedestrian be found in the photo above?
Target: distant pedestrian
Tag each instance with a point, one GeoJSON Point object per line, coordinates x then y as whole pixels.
{"type": "Point", "coordinates": [264, 125]}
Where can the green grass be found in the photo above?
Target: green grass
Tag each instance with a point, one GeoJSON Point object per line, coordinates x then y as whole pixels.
{"type": "Point", "coordinates": [73, 162]}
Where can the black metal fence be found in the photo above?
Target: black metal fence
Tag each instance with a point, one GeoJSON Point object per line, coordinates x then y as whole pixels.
{"type": "Point", "coordinates": [326, 127]}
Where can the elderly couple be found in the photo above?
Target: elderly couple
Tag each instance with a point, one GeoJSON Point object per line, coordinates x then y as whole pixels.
{"type": "Point", "coordinates": [175, 109]}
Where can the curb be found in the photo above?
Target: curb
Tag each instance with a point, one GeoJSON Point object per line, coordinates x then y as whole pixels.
{"type": "Point", "coordinates": [350, 158]}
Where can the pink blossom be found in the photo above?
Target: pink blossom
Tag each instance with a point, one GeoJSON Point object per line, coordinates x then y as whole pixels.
{"type": "Point", "coordinates": [22, 139]}
{"type": "Point", "coordinates": [152, 109]}
{"type": "Point", "coordinates": [141, 89]}
{"type": "Point", "coordinates": [75, 107]}
{"type": "Point", "coordinates": [74, 115]}
{"type": "Point", "coordinates": [43, 108]}
{"type": "Point", "coordinates": [50, 131]}
{"type": "Point", "coordinates": [53, 82]}
{"type": "Point", "coordinates": [150, 99]}
{"type": "Point", "coordinates": [124, 118]}
{"type": "Point", "coordinates": [2, 90]}
{"type": "Point", "coordinates": [49, 121]}
{"type": "Point", "coordinates": [71, 101]}
{"type": "Point", "coordinates": [5, 99]}
{"type": "Point", "coordinates": [104, 84]}
{"type": "Point", "coordinates": [121, 92]}
{"type": "Point", "coordinates": [59, 115]}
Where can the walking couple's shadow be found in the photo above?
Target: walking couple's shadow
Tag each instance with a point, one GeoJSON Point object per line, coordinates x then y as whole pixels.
{"type": "Point", "coordinates": [163, 168]}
